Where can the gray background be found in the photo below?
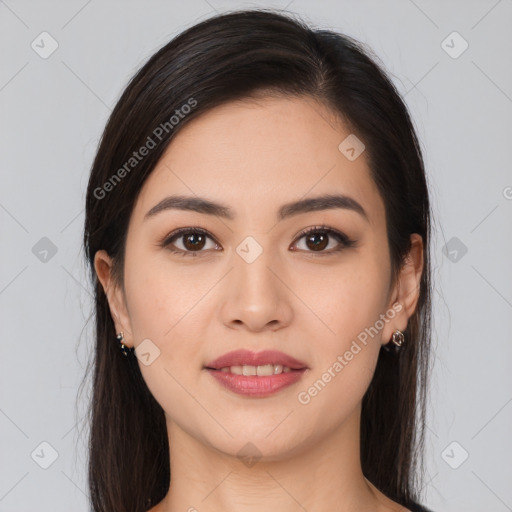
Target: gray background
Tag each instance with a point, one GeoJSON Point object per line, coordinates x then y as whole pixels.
{"type": "Point", "coordinates": [52, 113]}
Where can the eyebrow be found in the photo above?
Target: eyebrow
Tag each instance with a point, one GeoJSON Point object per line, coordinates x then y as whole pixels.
{"type": "Point", "coordinates": [208, 207]}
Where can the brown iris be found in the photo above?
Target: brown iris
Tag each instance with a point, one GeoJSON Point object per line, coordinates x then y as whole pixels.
{"type": "Point", "coordinates": [194, 241]}
{"type": "Point", "coordinates": [318, 241]}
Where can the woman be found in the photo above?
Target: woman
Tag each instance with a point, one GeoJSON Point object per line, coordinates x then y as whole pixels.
{"type": "Point", "coordinates": [258, 229]}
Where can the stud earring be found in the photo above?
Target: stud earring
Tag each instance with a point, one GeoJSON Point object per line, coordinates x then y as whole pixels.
{"type": "Point", "coordinates": [397, 340]}
{"type": "Point", "coordinates": [124, 349]}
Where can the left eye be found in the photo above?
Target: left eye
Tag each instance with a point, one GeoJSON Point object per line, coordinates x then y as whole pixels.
{"type": "Point", "coordinates": [319, 236]}
{"type": "Point", "coordinates": [193, 240]}
{"type": "Point", "coordinates": [317, 239]}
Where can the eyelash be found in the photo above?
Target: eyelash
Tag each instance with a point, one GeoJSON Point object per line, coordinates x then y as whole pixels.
{"type": "Point", "coordinates": [344, 241]}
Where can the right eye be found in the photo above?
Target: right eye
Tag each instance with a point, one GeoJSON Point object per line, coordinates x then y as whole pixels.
{"type": "Point", "coordinates": [193, 240]}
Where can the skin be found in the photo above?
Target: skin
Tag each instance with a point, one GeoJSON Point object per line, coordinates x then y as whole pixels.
{"type": "Point", "coordinates": [255, 156]}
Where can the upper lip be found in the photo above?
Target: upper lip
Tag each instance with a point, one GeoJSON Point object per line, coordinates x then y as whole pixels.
{"type": "Point", "coordinates": [246, 357]}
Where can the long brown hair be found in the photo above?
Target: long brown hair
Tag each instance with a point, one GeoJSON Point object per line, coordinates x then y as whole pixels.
{"type": "Point", "coordinates": [224, 58]}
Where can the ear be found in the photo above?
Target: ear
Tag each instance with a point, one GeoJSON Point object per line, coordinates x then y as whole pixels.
{"type": "Point", "coordinates": [115, 296]}
{"type": "Point", "coordinates": [406, 290]}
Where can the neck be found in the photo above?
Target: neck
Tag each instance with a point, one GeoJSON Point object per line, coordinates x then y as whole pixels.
{"type": "Point", "coordinates": [324, 475]}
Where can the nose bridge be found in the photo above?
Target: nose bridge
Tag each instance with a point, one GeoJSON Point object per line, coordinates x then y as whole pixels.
{"type": "Point", "coordinates": [253, 260]}
{"type": "Point", "coordinates": [256, 295]}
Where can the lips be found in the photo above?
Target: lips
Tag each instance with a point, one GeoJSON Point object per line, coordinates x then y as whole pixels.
{"type": "Point", "coordinates": [248, 358]}
{"type": "Point", "coordinates": [256, 374]}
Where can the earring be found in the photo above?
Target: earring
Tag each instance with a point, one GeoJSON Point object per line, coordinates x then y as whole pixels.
{"type": "Point", "coordinates": [124, 349]}
{"type": "Point", "coordinates": [397, 340]}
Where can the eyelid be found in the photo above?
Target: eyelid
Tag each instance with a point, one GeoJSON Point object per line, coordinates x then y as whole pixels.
{"type": "Point", "coordinates": [324, 229]}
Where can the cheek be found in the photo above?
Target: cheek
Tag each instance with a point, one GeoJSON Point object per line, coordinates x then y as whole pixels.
{"type": "Point", "coordinates": [171, 305]}
{"type": "Point", "coordinates": [346, 346]}
{"type": "Point", "coordinates": [162, 296]}
{"type": "Point", "coordinates": [342, 301]}
{"type": "Point", "coordinates": [165, 307]}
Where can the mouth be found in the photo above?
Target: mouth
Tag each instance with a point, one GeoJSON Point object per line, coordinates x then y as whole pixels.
{"type": "Point", "coordinates": [256, 374]}
{"type": "Point", "coordinates": [264, 370]}
{"type": "Point", "coordinates": [263, 363]}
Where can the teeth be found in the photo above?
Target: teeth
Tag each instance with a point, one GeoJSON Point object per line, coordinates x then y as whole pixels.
{"type": "Point", "coordinates": [268, 369]}
{"type": "Point", "coordinates": [260, 371]}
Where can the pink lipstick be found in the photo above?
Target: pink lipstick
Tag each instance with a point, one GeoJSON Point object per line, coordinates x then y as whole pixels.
{"type": "Point", "coordinates": [256, 374]}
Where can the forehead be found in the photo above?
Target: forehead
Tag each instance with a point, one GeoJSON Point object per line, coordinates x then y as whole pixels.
{"type": "Point", "coordinates": [257, 154]}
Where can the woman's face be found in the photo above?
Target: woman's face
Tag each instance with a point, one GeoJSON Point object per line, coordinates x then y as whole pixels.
{"type": "Point", "coordinates": [251, 281]}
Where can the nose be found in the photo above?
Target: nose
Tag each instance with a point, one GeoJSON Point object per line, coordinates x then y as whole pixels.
{"type": "Point", "coordinates": [255, 296]}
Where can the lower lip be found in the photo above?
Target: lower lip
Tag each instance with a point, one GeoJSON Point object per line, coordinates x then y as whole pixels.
{"type": "Point", "coordinates": [252, 385]}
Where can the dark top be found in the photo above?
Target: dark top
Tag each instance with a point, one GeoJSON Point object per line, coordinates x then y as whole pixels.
{"type": "Point", "coordinates": [415, 507]}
